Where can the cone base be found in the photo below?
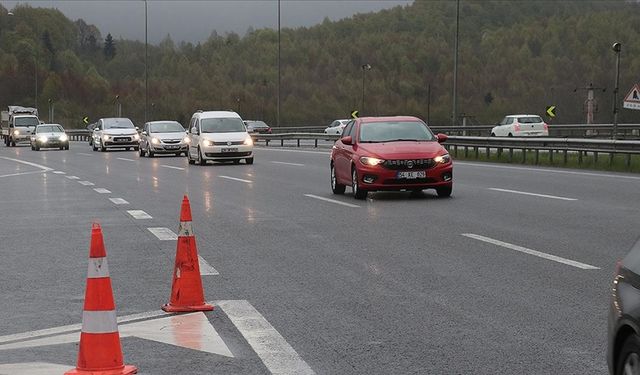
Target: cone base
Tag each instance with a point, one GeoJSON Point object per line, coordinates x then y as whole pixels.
{"type": "Point", "coordinates": [171, 308]}
{"type": "Point", "coordinates": [126, 370]}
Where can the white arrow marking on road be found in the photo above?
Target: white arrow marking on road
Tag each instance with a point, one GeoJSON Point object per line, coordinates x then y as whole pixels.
{"type": "Point", "coordinates": [166, 234]}
{"type": "Point", "coordinates": [540, 254]}
{"type": "Point", "coordinates": [172, 167]}
{"type": "Point", "coordinates": [102, 191]}
{"type": "Point", "coordinates": [139, 214]}
{"type": "Point", "coordinates": [34, 368]}
{"type": "Point", "coordinates": [193, 331]}
{"type": "Point", "coordinates": [331, 200]}
{"type": "Point", "coordinates": [284, 163]}
{"type": "Point", "coordinates": [118, 201]}
{"type": "Point", "coordinates": [236, 179]}
{"type": "Point", "coordinates": [533, 194]}
{"type": "Point", "coordinates": [86, 183]}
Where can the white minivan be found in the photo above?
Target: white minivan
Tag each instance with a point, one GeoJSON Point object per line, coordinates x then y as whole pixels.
{"type": "Point", "coordinates": [218, 136]}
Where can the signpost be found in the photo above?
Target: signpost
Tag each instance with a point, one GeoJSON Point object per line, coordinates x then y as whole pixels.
{"type": "Point", "coordinates": [85, 119]}
{"type": "Point", "coordinates": [551, 111]}
{"type": "Point", "coordinates": [354, 114]}
{"type": "Point", "coordinates": [632, 100]}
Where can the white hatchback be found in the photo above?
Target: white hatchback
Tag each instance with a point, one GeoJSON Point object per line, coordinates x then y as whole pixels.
{"type": "Point", "coordinates": [521, 126]}
{"type": "Point", "coordinates": [218, 136]}
{"type": "Point", "coordinates": [336, 127]}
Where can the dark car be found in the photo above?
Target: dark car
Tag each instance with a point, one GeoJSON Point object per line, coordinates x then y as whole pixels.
{"type": "Point", "coordinates": [257, 127]}
{"type": "Point", "coordinates": [623, 352]}
{"type": "Point", "coordinates": [390, 153]}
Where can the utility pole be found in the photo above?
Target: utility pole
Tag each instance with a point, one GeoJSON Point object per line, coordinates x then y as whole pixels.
{"type": "Point", "coordinates": [617, 47]}
{"type": "Point", "coordinates": [429, 104]}
{"type": "Point", "coordinates": [590, 105]}
{"type": "Point", "coordinates": [146, 63]}
{"type": "Point", "coordinates": [365, 67]}
{"type": "Point", "coordinates": [279, 72]}
{"type": "Point", "coordinates": [454, 117]}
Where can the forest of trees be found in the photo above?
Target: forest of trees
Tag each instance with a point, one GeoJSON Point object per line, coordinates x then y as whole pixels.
{"type": "Point", "coordinates": [514, 57]}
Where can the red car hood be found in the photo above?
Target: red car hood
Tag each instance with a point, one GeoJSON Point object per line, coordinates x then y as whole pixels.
{"type": "Point", "coordinates": [403, 150]}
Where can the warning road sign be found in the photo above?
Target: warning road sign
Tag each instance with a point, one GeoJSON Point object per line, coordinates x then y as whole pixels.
{"type": "Point", "coordinates": [632, 100]}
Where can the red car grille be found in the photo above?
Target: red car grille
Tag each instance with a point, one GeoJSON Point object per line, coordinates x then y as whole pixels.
{"type": "Point", "coordinates": [409, 164]}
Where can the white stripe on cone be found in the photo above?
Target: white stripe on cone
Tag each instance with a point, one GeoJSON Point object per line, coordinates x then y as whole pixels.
{"type": "Point", "coordinates": [98, 268]}
{"type": "Point", "coordinates": [185, 229]}
{"type": "Point", "coordinates": [99, 322]}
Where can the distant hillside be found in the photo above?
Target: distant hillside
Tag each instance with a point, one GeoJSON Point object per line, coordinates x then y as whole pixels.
{"type": "Point", "coordinates": [514, 56]}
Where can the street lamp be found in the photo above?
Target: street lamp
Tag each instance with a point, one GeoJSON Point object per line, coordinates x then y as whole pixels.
{"type": "Point", "coordinates": [616, 47]}
{"type": "Point", "coordinates": [364, 67]}
{"type": "Point", "coordinates": [118, 106]}
{"type": "Point", "coordinates": [146, 58]}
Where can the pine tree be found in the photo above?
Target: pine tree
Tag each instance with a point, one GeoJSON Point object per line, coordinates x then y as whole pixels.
{"type": "Point", "coordinates": [109, 47]}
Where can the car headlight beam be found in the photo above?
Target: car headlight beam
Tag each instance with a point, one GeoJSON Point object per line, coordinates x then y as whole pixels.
{"type": "Point", "coordinates": [16, 132]}
{"type": "Point", "coordinates": [105, 137]}
{"type": "Point", "coordinates": [64, 138]}
{"type": "Point", "coordinates": [207, 143]}
{"type": "Point", "coordinates": [442, 159]}
{"type": "Point", "coordinates": [367, 160]}
{"type": "Point", "coordinates": [155, 141]}
{"type": "Point", "coordinates": [186, 140]}
{"type": "Point", "coordinates": [248, 142]}
{"type": "Point", "coordinates": [43, 139]}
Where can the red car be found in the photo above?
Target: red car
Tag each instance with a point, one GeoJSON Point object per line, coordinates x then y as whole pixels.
{"type": "Point", "coordinates": [390, 153]}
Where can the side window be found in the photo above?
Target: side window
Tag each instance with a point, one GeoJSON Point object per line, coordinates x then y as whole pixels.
{"type": "Point", "coordinates": [509, 121]}
{"type": "Point", "coordinates": [192, 123]}
{"type": "Point", "coordinates": [347, 129]}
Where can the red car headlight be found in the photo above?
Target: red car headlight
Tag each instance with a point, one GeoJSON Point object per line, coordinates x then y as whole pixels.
{"type": "Point", "coordinates": [442, 159]}
{"type": "Point", "coordinates": [366, 160]}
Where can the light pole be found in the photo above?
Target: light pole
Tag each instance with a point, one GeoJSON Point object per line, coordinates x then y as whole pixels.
{"type": "Point", "coordinates": [118, 107]}
{"type": "Point", "coordinates": [146, 61]}
{"type": "Point", "coordinates": [454, 116]}
{"type": "Point", "coordinates": [364, 67]}
{"type": "Point", "coordinates": [279, 73]}
{"type": "Point", "coordinates": [617, 47]}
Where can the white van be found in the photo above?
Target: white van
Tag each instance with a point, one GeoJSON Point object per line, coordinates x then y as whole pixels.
{"type": "Point", "coordinates": [218, 136]}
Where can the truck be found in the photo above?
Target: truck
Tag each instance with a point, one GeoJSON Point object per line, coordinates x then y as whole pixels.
{"type": "Point", "coordinates": [17, 124]}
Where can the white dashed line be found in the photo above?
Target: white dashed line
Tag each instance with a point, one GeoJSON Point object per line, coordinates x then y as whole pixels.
{"type": "Point", "coordinates": [125, 159]}
{"type": "Point", "coordinates": [59, 172]}
{"type": "Point", "coordinates": [118, 201]}
{"type": "Point", "coordinates": [205, 268]}
{"type": "Point", "coordinates": [284, 163]}
{"type": "Point", "coordinates": [139, 214]}
{"type": "Point", "coordinates": [521, 249]}
{"type": "Point", "coordinates": [163, 234]}
{"type": "Point", "coordinates": [102, 191]}
{"type": "Point", "coordinates": [331, 201]}
{"type": "Point", "coordinates": [172, 167]}
{"type": "Point", "coordinates": [86, 183]}
{"type": "Point", "coordinates": [533, 194]}
{"type": "Point", "coordinates": [236, 179]}
{"type": "Point", "coordinates": [82, 153]}
{"type": "Point", "coordinates": [274, 351]}
{"type": "Point", "coordinates": [73, 177]}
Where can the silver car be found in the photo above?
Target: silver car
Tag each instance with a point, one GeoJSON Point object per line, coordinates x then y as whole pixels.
{"type": "Point", "coordinates": [163, 137]}
{"type": "Point", "coordinates": [49, 136]}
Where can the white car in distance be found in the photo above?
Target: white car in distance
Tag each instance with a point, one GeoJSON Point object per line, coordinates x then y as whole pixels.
{"type": "Point", "coordinates": [218, 136]}
{"type": "Point", "coordinates": [521, 126]}
{"type": "Point", "coordinates": [336, 127]}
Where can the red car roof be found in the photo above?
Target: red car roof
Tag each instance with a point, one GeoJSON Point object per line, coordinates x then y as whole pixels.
{"type": "Point", "coordinates": [389, 118]}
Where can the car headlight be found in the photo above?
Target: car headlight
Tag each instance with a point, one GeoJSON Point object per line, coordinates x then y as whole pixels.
{"type": "Point", "coordinates": [16, 132]}
{"type": "Point", "coordinates": [64, 138]}
{"type": "Point", "coordinates": [155, 141]}
{"type": "Point", "coordinates": [136, 137]}
{"type": "Point", "coordinates": [371, 161]}
{"type": "Point", "coordinates": [442, 159]}
{"type": "Point", "coordinates": [43, 139]}
{"type": "Point", "coordinates": [207, 143]}
{"type": "Point", "coordinates": [105, 137]}
{"type": "Point", "coordinates": [248, 141]}
{"type": "Point", "coordinates": [186, 140]}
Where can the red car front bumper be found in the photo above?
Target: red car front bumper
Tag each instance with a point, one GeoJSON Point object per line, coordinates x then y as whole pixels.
{"type": "Point", "coordinates": [377, 177]}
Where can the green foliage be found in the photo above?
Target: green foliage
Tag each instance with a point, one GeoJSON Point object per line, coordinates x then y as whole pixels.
{"type": "Point", "coordinates": [514, 56]}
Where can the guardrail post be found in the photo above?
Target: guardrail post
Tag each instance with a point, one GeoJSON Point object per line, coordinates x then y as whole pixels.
{"type": "Point", "coordinates": [477, 152]}
{"type": "Point", "coordinates": [298, 142]}
{"type": "Point", "coordinates": [282, 142]}
{"type": "Point", "coordinates": [488, 152]}
{"type": "Point", "coordinates": [579, 157]}
{"type": "Point", "coordinates": [566, 156]}
{"type": "Point", "coordinates": [537, 156]}
{"type": "Point", "coordinates": [595, 157]}
{"type": "Point", "coordinates": [455, 150]}
{"type": "Point", "coordinates": [266, 143]}
{"type": "Point", "coordinates": [499, 152]}
{"type": "Point", "coordinates": [628, 160]}
{"type": "Point", "coordinates": [610, 158]}
{"type": "Point", "coordinates": [466, 152]}
{"type": "Point", "coordinates": [316, 143]}
{"type": "Point", "coordinates": [510, 155]}
{"type": "Point", "coordinates": [551, 156]}
{"type": "Point", "coordinates": [524, 155]}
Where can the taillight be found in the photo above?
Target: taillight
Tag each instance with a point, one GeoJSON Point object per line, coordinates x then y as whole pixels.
{"type": "Point", "coordinates": [516, 127]}
{"type": "Point", "coordinates": [546, 127]}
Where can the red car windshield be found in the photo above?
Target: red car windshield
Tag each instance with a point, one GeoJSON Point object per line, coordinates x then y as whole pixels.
{"type": "Point", "coordinates": [395, 131]}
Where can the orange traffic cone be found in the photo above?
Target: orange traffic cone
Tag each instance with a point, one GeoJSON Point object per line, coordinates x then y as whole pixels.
{"type": "Point", "coordinates": [186, 291]}
{"type": "Point", "coordinates": [100, 352]}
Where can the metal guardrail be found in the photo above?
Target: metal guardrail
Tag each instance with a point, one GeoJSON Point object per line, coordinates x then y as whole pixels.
{"type": "Point", "coordinates": [78, 134]}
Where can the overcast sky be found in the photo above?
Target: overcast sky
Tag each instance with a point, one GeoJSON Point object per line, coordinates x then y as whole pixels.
{"type": "Point", "coordinates": [194, 21]}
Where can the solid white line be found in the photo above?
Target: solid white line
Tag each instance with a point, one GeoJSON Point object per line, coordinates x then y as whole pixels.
{"type": "Point", "coordinates": [294, 164]}
{"type": "Point", "coordinates": [236, 179]}
{"type": "Point", "coordinates": [27, 163]}
{"type": "Point", "coordinates": [125, 159]}
{"type": "Point", "coordinates": [288, 150]}
{"type": "Point", "coordinates": [521, 249]}
{"type": "Point", "coordinates": [533, 194]}
{"type": "Point", "coordinates": [73, 177]}
{"type": "Point", "coordinates": [205, 268]}
{"type": "Point", "coordinates": [544, 170]}
{"type": "Point", "coordinates": [274, 351]}
{"type": "Point", "coordinates": [172, 167]}
{"type": "Point", "coordinates": [21, 173]}
{"type": "Point", "coordinates": [139, 214]}
{"type": "Point", "coordinates": [102, 191]}
{"type": "Point", "coordinates": [86, 183]}
{"type": "Point", "coordinates": [118, 201]}
{"type": "Point", "coordinates": [331, 200]}
{"type": "Point", "coordinates": [163, 234]}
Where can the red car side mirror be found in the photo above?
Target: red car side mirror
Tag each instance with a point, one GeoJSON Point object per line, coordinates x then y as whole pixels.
{"type": "Point", "coordinates": [348, 140]}
{"type": "Point", "coordinates": [442, 138]}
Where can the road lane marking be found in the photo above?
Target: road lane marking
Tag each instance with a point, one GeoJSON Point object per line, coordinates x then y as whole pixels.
{"type": "Point", "coordinates": [102, 191]}
{"type": "Point", "coordinates": [118, 201]}
{"type": "Point", "coordinates": [139, 214]}
{"type": "Point", "coordinates": [533, 194]}
{"type": "Point", "coordinates": [172, 167]}
{"type": "Point", "coordinates": [46, 169]}
{"type": "Point", "coordinates": [525, 250]}
{"type": "Point", "coordinates": [83, 154]}
{"type": "Point", "coordinates": [166, 234]}
{"type": "Point", "coordinates": [86, 183]}
{"type": "Point", "coordinates": [287, 150]}
{"type": "Point", "coordinates": [34, 368]}
{"type": "Point", "coordinates": [543, 170]}
{"type": "Point", "coordinates": [73, 177]}
{"type": "Point", "coordinates": [274, 351]}
{"type": "Point", "coordinates": [331, 200]}
{"type": "Point", "coordinates": [125, 159]}
{"type": "Point", "coordinates": [59, 172]}
{"type": "Point", "coordinates": [236, 179]}
{"type": "Point", "coordinates": [284, 163]}
{"type": "Point", "coordinates": [21, 173]}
